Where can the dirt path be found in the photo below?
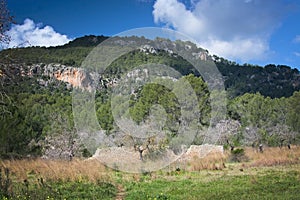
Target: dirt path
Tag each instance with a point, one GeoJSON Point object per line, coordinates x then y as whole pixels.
{"type": "Point", "coordinates": [121, 192]}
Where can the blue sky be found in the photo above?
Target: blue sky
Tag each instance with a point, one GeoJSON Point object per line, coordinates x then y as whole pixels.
{"type": "Point", "coordinates": [252, 31]}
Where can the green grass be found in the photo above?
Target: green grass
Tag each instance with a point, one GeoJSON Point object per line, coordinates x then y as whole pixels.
{"type": "Point", "coordinates": [63, 190]}
{"type": "Point", "coordinates": [266, 185]}
{"type": "Point", "coordinates": [235, 181]}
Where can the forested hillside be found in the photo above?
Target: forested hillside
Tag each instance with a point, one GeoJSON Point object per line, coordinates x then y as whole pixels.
{"type": "Point", "coordinates": [36, 103]}
{"type": "Point", "coordinates": [271, 80]}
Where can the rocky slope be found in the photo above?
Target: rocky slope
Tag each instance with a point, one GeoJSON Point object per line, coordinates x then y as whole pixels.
{"type": "Point", "coordinates": [271, 80]}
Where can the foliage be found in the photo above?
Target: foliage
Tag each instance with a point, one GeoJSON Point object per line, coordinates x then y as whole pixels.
{"type": "Point", "coordinates": [238, 155]}
{"type": "Point", "coordinates": [271, 80]}
{"type": "Point", "coordinates": [5, 182]}
{"type": "Point", "coordinates": [266, 120]}
{"type": "Point", "coordinates": [293, 117]}
{"type": "Point", "coordinates": [32, 112]}
{"type": "Point", "coordinates": [30, 117]}
{"type": "Point", "coordinates": [86, 41]}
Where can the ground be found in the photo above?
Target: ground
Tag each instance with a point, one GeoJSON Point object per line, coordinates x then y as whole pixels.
{"type": "Point", "coordinates": [273, 174]}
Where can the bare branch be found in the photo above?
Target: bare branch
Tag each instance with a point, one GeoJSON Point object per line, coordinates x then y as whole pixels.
{"type": "Point", "coordinates": [5, 21]}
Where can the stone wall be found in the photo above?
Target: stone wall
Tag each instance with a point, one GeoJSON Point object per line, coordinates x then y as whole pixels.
{"type": "Point", "coordinates": [201, 151]}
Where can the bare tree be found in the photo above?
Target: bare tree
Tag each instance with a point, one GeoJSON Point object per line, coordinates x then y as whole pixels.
{"type": "Point", "coordinates": [5, 21]}
{"type": "Point", "coordinates": [251, 136]}
{"type": "Point", "coordinates": [228, 129]}
{"type": "Point", "coordinates": [61, 141]}
{"type": "Point", "coordinates": [284, 133]}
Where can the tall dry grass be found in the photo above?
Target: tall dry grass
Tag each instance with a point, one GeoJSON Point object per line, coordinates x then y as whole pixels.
{"type": "Point", "coordinates": [93, 170]}
{"type": "Point", "coordinates": [273, 156]}
{"type": "Point", "coordinates": [57, 170]}
{"type": "Point", "coordinates": [212, 161]}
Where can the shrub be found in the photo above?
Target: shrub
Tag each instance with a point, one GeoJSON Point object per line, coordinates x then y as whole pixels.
{"type": "Point", "coordinates": [5, 182]}
{"type": "Point", "coordinates": [238, 155]}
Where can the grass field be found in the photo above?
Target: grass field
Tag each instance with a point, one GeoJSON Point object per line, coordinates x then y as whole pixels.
{"type": "Point", "coordinates": [254, 183]}
{"type": "Point", "coordinates": [274, 174]}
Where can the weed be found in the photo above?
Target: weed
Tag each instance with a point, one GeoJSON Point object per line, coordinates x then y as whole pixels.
{"type": "Point", "coordinates": [5, 182]}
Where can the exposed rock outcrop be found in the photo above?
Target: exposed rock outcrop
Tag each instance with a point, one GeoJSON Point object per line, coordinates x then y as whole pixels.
{"type": "Point", "coordinates": [76, 77]}
{"type": "Point", "coordinates": [73, 77]}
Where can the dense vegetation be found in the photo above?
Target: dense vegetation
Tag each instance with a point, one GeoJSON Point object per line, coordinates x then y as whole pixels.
{"type": "Point", "coordinates": [263, 101]}
{"type": "Point", "coordinates": [271, 80]}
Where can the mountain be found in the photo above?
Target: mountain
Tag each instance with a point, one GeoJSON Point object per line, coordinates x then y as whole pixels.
{"type": "Point", "coordinates": [36, 87]}
{"type": "Point", "coordinates": [86, 41]}
{"type": "Point", "coordinates": [271, 80]}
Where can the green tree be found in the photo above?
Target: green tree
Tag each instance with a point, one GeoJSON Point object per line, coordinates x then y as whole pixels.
{"type": "Point", "coordinates": [294, 111]}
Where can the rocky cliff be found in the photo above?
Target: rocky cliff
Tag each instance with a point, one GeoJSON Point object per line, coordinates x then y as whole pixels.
{"type": "Point", "coordinates": [73, 77]}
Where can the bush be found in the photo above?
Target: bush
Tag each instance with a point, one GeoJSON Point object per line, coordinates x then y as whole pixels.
{"type": "Point", "coordinates": [5, 182]}
{"type": "Point", "coordinates": [238, 155]}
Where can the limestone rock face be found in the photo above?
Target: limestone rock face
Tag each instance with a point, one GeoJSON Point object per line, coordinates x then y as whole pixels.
{"type": "Point", "coordinates": [72, 76]}
{"type": "Point", "coordinates": [75, 77]}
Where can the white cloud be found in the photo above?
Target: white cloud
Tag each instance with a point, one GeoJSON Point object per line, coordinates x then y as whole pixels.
{"type": "Point", "coordinates": [31, 34]}
{"type": "Point", "coordinates": [297, 39]}
{"type": "Point", "coordinates": [297, 54]}
{"type": "Point", "coordinates": [241, 49]}
{"type": "Point", "coordinates": [175, 14]}
{"type": "Point", "coordinates": [234, 29]}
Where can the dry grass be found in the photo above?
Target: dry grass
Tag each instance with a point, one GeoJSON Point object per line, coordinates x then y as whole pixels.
{"type": "Point", "coordinates": [213, 161]}
{"type": "Point", "coordinates": [273, 156]}
{"type": "Point", "coordinates": [93, 170]}
{"type": "Point", "coordinates": [57, 170]}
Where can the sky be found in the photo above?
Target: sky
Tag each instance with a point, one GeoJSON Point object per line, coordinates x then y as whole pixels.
{"type": "Point", "coordinates": [245, 31]}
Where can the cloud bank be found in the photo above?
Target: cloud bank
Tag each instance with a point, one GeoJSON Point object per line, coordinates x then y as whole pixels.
{"type": "Point", "coordinates": [234, 29]}
{"type": "Point", "coordinates": [32, 34]}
